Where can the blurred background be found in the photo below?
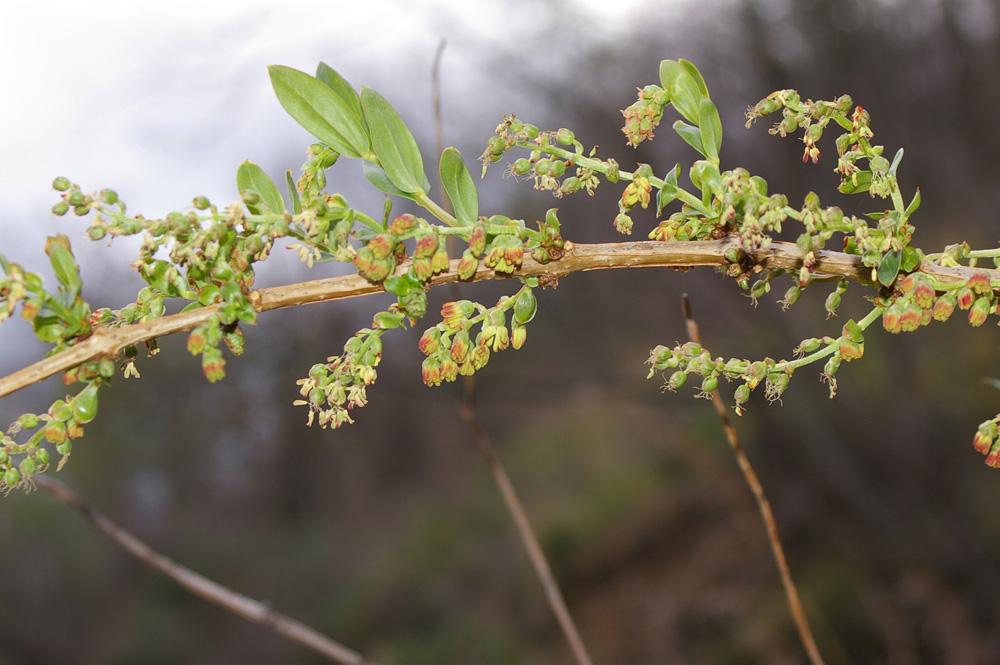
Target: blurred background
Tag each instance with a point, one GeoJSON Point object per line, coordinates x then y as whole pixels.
{"type": "Point", "coordinates": [389, 535]}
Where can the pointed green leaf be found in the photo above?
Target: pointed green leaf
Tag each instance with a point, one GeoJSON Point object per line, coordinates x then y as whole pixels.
{"type": "Point", "coordinates": [685, 93]}
{"type": "Point", "coordinates": [914, 204]}
{"type": "Point", "coordinates": [293, 192]}
{"type": "Point", "coordinates": [320, 110]}
{"type": "Point", "coordinates": [393, 143]}
{"type": "Point", "coordinates": [695, 74]}
{"type": "Point", "coordinates": [63, 264]}
{"type": "Point", "coordinates": [459, 187]}
{"type": "Point", "coordinates": [251, 177]}
{"type": "Point", "coordinates": [711, 129]}
{"type": "Point", "coordinates": [339, 85]}
{"type": "Point", "coordinates": [889, 267]}
{"type": "Point", "coordinates": [668, 192]}
{"type": "Point", "coordinates": [895, 161]}
{"type": "Point", "coordinates": [380, 180]}
{"type": "Point", "coordinates": [691, 135]}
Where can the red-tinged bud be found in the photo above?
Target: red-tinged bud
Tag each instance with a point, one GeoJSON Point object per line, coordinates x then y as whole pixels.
{"type": "Point", "coordinates": [214, 367]}
{"type": "Point", "coordinates": [380, 246]}
{"type": "Point", "coordinates": [850, 350]}
{"type": "Point", "coordinates": [912, 317]}
{"type": "Point", "coordinates": [623, 224]}
{"type": "Point", "coordinates": [907, 284]}
{"type": "Point", "coordinates": [477, 239]}
{"type": "Point", "coordinates": [924, 292]}
{"type": "Point", "coordinates": [455, 313]}
{"type": "Point", "coordinates": [422, 269]}
{"type": "Point", "coordinates": [196, 342]}
{"type": "Point", "coordinates": [380, 269]}
{"type": "Point", "coordinates": [891, 318]}
{"type": "Point", "coordinates": [430, 341]}
{"type": "Point", "coordinates": [363, 260]}
{"type": "Point", "coordinates": [980, 283]}
{"type": "Point", "coordinates": [402, 224]}
{"type": "Point", "coordinates": [519, 334]}
{"type": "Point", "coordinates": [985, 436]}
{"type": "Point", "coordinates": [480, 356]}
{"type": "Point", "coordinates": [449, 369]}
{"type": "Point", "coordinates": [979, 312]}
{"type": "Point", "coordinates": [430, 371]}
{"type": "Point", "coordinates": [993, 457]}
{"type": "Point", "coordinates": [944, 307]}
{"type": "Point", "coordinates": [426, 246]}
{"type": "Point", "coordinates": [461, 345]}
{"type": "Point", "coordinates": [55, 431]}
{"type": "Point", "coordinates": [965, 297]}
{"type": "Point", "coordinates": [467, 266]}
{"type": "Point", "coordinates": [439, 262]}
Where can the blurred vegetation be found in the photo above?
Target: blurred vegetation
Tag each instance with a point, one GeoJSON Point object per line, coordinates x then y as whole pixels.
{"type": "Point", "coordinates": [389, 535]}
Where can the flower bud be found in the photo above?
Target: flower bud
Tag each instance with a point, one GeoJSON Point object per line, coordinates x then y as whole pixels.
{"type": "Point", "coordinates": [985, 436]}
{"type": "Point", "coordinates": [12, 477]}
{"type": "Point", "coordinates": [477, 239]}
{"type": "Point", "coordinates": [944, 307]}
{"type": "Point", "coordinates": [402, 224]}
{"type": "Point", "coordinates": [430, 341]}
{"type": "Point", "coordinates": [467, 266]}
{"type": "Point", "coordinates": [965, 297]}
{"type": "Point", "coordinates": [461, 345]}
{"type": "Point", "coordinates": [61, 184]}
{"type": "Point", "coordinates": [439, 262]}
{"type": "Point", "coordinates": [980, 283]}
{"type": "Point", "coordinates": [676, 380]}
{"type": "Point", "coordinates": [709, 384]}
{"type": "Point", "coordinates": [519, 334]}
{"type": "Point", "coordinates": [525, 307]}
{"type": "Point", "coordinates": [426, 246]}
{"type": "Point", "coordinates": [912, 316]}
{"type": "Point", "coordinates": [381, 245]}
{"type": "Point", "coordinates": [980, 310]}
{"type": "Point", "coordinates": [430, 371]}
{"type": "Point", "coordinates": [832, 303]}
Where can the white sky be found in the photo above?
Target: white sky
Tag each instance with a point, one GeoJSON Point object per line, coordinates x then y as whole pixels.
{"type": "Point", "coordinates": [162, 101]}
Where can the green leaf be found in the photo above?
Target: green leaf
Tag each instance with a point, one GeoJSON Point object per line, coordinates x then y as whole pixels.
{"type": "Point", "coordinates": [668, 192]}
{"type": "Point", "coordinates": [695, 74]}
{"type": "Point", "coordinates": [380, 179]}
{"type": "Point", "coordinates": [705, 175]}
{"type": "Point", "coordinates": [320, 110]}
{"type": "Point", "coordinates": [691, 135]}
{"type": "Point", "coordinates": [685, 93]}
{"type": "Point", "coordinates": [895, 161]}
{"type": "Point", "coordinates": [339, 85]}
{"type": "Point", "coordinates": [251, 177]}
{"type": "Point", "coordinates": [459, 187]}
{"type": "Point", "coordinates": [64, 265]}
{"type": "Point", "coordinates": [293, 192]}
{"type": "Point", "coordinates": [864, 183]}
{"type": "Point", "coordinates": [393, 143]}
{"type": "Point", "coordinates": [711, 129]}
{"type": "Point", "coordinates": [914, 204]}
{"type": "Point", "coordinates": [889, 267]}
{"type": "Point", "coordinates": [854, 332]}
{"type": "Point", "coordinates": [911, 259]}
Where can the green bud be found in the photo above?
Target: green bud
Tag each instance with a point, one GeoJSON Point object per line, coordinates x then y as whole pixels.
{"type": "Point", "coordinates": [96, 232]}
{"type": "Point", "coordinates": [12, 477]}
{"type": "Point", "coordinates": [709, 384]}
{"type": "Point", "coordinates": [60, 208]}
{"type": "Point", "coordinates": [42, 456]}
{"type": "Point", "coordinates": [676, 380]}
{"type": "Point", "coordinates": [742, 393]}
{"type": "Point", "coordinates": [525, 307]}
{"type": "Point", "coordinates": [61, 184]}
{"type": "Point", "coordinates": [201, 203]}
{"type": "Point", "coordinates": [28, 467]}
{"type": "Point", "coordinates": [28, 421]}
{"type": "Point", "coordinates": [60, 411]}
{"type": "Point", "coordinates": [565, 136]}
{"type": "Point", "coordinates": [109, 196]}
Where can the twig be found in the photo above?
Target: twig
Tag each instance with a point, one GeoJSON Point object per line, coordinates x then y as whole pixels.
{"type": "Point", "coordinates": [213, 592]}
{"type": "Point", "coordinates": [471, 414]}
{"type": "Point", "coordinates": [470, 411]}
{"type": "Point", "coordinates": [107, 342]}
{"type": "Point", "coordinates": [764, 506]}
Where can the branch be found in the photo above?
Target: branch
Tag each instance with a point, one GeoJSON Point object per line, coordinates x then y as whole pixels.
{"type": "Point", "coordinates": [764, 506]}
{"type": "Point", "coordinates": [107, 342]}
{"type": "Point", "coordinates": [238, 604]}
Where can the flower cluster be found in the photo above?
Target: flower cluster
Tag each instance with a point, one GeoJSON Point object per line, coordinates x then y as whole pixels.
{"type": "Point", "coordinates": [333, 388]}
{"type": "Point", "coordinates": [450, 347]}
{"type": "Point", "coordinates": [643, 116]}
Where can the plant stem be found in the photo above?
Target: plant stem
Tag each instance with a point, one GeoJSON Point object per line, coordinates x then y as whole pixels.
{"type": "Point", "coordinates": [764, 507]}
{"type": "Point", "coordinates": [213, 592]}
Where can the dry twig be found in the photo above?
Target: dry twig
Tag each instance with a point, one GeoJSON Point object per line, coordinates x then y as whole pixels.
{"type": "Point", "coordinates": [764, 506]}
{"type": "Point", "coordinates": [238, 604]}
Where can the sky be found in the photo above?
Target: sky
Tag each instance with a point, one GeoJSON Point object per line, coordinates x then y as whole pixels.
{"type": "Point", "coordinates": [162, 101]}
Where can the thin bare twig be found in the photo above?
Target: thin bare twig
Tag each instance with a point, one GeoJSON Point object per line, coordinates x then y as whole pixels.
{"type": "Point", "coordinates": [763, 505]}
{"type": "Point", "coordinates": [238, 604]}
{"type": "Point", "coordinates": [470, 411]}
{"type": "Point", "coordinates": [471, 414]}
